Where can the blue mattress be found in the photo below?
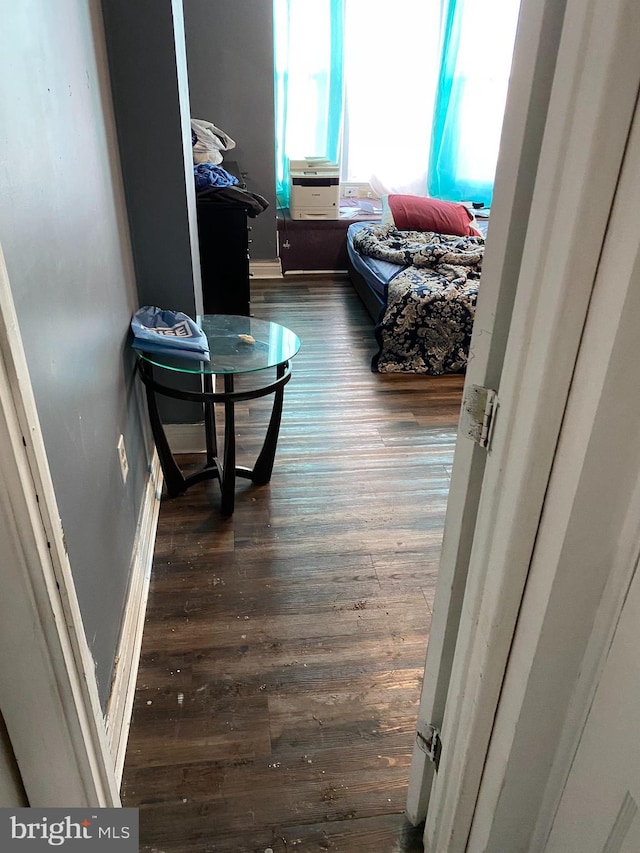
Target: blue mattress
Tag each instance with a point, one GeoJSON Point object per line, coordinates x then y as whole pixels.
{"type": "Point", "coordinates": [377, 274]}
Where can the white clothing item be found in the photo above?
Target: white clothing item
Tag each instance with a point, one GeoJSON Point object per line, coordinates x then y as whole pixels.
{"type": "Point", "coordinates": [211, 142]}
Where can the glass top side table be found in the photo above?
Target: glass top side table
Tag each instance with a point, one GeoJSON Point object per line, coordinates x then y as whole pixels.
{"type": "Point", "coordinates": [237, 345]}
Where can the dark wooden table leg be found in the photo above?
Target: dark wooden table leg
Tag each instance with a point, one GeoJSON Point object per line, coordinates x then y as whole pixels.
{"type": "Point", "coordinates": [211, 441]}
{"type": "Point", "coordinates": [263, 468]}
{"type": "Point", "coordinates": [228, 482]}
{"type": "Point", "coordinates": [173, 478]}
{"type": "Point", "coordinates": [224, 470]}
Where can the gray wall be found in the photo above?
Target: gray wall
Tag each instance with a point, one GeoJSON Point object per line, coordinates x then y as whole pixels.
{"type": "Point", "coordinates": [64, 233]}
{"type": "Point", "coordinates": [145, 43]}
{"type": "Point", "coordinates": [230, 62]}
{"type": "Point", "coordinates": [148, 68]}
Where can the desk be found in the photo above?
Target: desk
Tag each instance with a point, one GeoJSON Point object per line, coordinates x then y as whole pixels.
{"type": "Point", "coordinates": [237, 345]}
{"type": "Point", "coordinates": [315, 244]}
{"type": "Point", "coordinates": [223, 236]}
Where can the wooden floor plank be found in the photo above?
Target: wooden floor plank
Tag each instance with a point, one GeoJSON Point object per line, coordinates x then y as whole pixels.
{"type": "Point", "coordinates": [284, 647]}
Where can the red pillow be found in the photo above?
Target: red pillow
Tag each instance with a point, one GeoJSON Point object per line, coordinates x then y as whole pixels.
{"type": "Point", "coordinates": [416, 213]}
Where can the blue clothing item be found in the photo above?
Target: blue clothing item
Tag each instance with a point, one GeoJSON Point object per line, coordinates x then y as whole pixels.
{"type": "Point", "coordinates": [168, 333]}
{"type": "Point", "coordinates": [207, 175]}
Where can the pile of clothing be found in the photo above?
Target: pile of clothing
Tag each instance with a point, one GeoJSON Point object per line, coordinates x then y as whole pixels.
{"type": "Point", "coordinates": [168, 333]}
{"type": "Point", "coordinates": [213, 182]}
{"type": "Point", "coordinates": [207, 175]}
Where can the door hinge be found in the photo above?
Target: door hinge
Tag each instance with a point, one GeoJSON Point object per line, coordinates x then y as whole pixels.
{"type": "Point", "coordinates": [428, 739]}
{"type": "Point", "coordinates": [478, 414]}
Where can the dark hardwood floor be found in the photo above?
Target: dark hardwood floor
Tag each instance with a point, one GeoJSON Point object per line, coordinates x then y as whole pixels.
{"type": "Point", "coordinates": [284, 647]}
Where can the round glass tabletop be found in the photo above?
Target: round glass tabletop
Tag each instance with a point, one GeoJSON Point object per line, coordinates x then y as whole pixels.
{"type": "Point", "coordinates": [236, 345]}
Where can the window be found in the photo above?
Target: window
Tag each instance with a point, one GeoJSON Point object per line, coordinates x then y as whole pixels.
{"type": "Point", "coordinates": [405, 96]}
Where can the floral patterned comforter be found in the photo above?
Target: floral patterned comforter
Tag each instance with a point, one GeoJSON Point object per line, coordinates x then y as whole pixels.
{"type": "Point", "coordinates": [426, 326]}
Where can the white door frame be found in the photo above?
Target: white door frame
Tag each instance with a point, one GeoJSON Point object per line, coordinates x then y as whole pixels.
{"type": "Point", "coordinates": [590, 112]}
{"type": "Point", "coordinates": [48, 690]}
{"type": "Point", "coordinates": [586, 551]}
{"type": "Point", "coordinates": [531, 78]}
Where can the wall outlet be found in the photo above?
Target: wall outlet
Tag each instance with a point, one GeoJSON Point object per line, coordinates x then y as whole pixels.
{"type": "Point", "coordinates": [122, 456]}
{"type": "Point", "coordinates": [357, 190]}
{"type": "Point", "coordinates": [349, 191]}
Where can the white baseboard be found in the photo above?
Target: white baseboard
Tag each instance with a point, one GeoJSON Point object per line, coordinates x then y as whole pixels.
{"type": "Point", "coordinates": [317, 274]}
{"type": "Point", "coordinates": [265, 269]}
{"type": "Point", "coordinates": [119, 709]}
{"type": "Point", "coordinates": [185, 438]}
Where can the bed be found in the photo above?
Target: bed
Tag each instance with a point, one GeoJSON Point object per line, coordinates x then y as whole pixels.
{"type": "Point", "coordinates": [420, 286]}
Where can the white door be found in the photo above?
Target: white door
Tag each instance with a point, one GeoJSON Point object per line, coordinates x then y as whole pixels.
{"type": "Point", "coordinates": [598, 811]}
{"type": "Point", "coordinates": [535, 50]}
{"type": "Point", "coordinates": [583, 111]}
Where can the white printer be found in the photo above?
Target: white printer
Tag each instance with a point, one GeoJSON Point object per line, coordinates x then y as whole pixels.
{"type": "Point", "coordinates": [315, 189]}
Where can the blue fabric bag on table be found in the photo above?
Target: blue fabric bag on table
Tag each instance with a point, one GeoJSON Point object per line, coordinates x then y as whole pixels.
{"type": "Point", "coordinates": [168, 333]}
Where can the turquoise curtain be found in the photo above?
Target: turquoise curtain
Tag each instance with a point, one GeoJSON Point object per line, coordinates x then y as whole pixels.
{"type": "Point", "coordinates": [476, 51]}
{"type": "Point", "coordinates": [309, 86]}
{"type": "Point", "coordinates": [444, 135]}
